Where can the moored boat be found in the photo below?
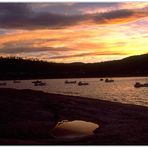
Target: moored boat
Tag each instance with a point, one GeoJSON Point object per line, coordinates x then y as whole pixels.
{"type": "Point", "coordinates": [83, 83]}
{"type": "Point", "coordinates": [101, 79]}
{"type": "Point", "coordinates": [138, 84]}
{"type": "Point", "coordinates": [108, 80]}
{"type": "Point", "coordinates": [39, 83]}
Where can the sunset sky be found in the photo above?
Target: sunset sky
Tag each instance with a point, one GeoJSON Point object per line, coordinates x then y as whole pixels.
{"type": "Point", "coordinates": [74, 32]}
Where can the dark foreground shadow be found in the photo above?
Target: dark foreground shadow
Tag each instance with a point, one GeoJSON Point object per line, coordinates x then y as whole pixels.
{"type": "Point", "coordinates": [27, 117]}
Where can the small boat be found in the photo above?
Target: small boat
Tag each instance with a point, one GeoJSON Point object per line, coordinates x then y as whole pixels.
{"type": "Point", "coordinates": [138, 84]}
{"type": "Point", "coordinates": [37, 81]}
{"type": "Point", "coordinates": [3, 84]}
{"type": "Point", "coordinates": [16, 81]}
{"type": "Point", "coordinates": [70, 82]}
{"type": "Point", "coordinates": [109, 80]}
{"type": "Point", "coordinates": [83, 83]}
{"type": "Point", "coordinates": [101, 79]}
{"type": "Point", "coordinates": [40, 84]}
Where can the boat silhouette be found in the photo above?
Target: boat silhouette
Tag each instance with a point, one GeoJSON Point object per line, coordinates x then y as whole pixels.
{"type": "Point", "coordinates": [83, 83]}
{"type": "Point", "coordinates": [108, 80]}
{"type": "Point", "coordinates": [138, 84]}
{"type": "Point", "coordinates": [39, 83]}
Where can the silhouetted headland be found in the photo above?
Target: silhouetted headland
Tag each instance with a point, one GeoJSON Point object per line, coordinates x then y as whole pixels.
{"type": "Point", "coordinates": [28, 117]}
{"type": "Point", "coordinates": [17, 68]}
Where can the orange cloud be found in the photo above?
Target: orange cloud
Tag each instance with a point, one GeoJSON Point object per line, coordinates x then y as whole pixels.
{"type": "Point", "coordinates": [103, 36]}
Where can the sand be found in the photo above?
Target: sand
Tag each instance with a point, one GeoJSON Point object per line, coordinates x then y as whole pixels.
{"type": "Point", "coordinates": [28, 117]}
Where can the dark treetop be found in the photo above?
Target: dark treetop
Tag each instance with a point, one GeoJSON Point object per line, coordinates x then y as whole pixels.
{"type": "Point", "coordinates": [17, 68]}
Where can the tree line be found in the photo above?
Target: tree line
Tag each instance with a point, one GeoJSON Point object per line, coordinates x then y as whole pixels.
{"type": "Point", "coordinates": [18, 68]}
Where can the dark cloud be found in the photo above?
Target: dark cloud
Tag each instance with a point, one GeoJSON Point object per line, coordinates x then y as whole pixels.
{"type": "Point", "coordinates": [13, 15]}
{"type": "Point", "coordinates": [70, 8]}
{"type": "Point", "coordinates": [48, 20]}
{"type": "Point", "coordinates": [20, 16]}
{"type": "Point", "coordinates": [119, 14]}
{"type": "Point", "coordinates": [32, 49]}
{"type": "Point", "coordinates": [15, 8]}
{"type": "Point", "coordinates": [116, 14]}
{"type": "Point", "coordinates": [10, 13]}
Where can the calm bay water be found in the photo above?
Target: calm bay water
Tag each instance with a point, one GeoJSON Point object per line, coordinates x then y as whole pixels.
{"type": "Point", "coordinates": [121, 90]}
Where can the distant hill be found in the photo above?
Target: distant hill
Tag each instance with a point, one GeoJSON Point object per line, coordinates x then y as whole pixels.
{"type": "Point", "coordinates": [17, 68]}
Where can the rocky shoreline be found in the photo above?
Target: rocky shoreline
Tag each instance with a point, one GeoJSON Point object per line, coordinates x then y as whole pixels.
{"type": "Point", "coordinates": [28, 116]}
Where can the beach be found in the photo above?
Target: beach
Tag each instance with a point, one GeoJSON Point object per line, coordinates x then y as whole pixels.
{"type": "Point", "coordinates": [29, 116]}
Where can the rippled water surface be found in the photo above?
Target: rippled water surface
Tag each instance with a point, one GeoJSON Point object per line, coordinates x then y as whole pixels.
{"type": "Point", "coordinates": [121, 90]}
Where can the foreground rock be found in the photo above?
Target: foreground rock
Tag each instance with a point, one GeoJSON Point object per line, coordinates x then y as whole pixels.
{"type": "Point", "coordinates": [27, 117]}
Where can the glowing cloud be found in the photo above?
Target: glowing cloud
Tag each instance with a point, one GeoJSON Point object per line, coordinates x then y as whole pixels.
{"type": "Point", "coordinates": [70, 32]}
